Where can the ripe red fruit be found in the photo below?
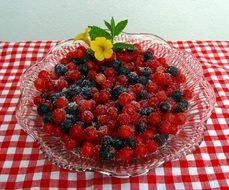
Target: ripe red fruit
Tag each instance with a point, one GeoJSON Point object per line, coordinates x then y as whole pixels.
{"type": "Point", "coordinates": [48, 127]}
{"type": "Point", "coordinates": [38, 100]}
{"type": "Point", "coordinates": [87, 149]}
{"type": "Point", "coordinates": [140, 150]}
{"type": "Point", "coordinates": [73, 75]}
{"type": "Point", "coordinates": [125, 154]}
{"type": "Point", "coordinates": [87, 117]}
{"type": "Point", "coordinates": [70, 144]}
{"type": "Point", "coordinates": [161, 95]}
{"type": "Point", "coordinates": [53, 75]}
{"type": "Point", "coordinates": [168, 117]}
{"type": "Point", "coordinates": [134, 118]}
{"type": "Point", "coordinates": [100, 110]}
{"type": "Point", "coordinates": [113, 112]}
{"type": "Point", "coordinates": [129, 109]}
{"type": "Point", "coordinates": [109, 72]}
{"type": "Point", "coordinates": [91, 134]}
{"type": "Point", "coordinates": [100, 78]}
{"type": "Point", "coordinates": [104, 96]}
{"type": "Point", "coordinates": [165, 127]}
{"type": "Point", "coordinates": [124, 98]}
{"type": "Point", "coordinates": [162, 61]}
{"type": "Point", "coordinates": [187, 94]}
{"type": "Point", "coordinates": [80, 52]}
{"type": "Point", "coordinates": [103, 131]}
{"type": "Point", "coordinates": [154, 118]}
{"type": "Point", "coordinates": [56, 131]}
{"type": "Point", "coordinates": [125, 131]}
{"type": "Point", "coordinates": [180, 78]}
{"type": "Point", "coordinates": [76, 132]}
{"type": "Point", "coordinates": [159, 78]}
{"type": "Point", "coordinates": [71, 66]}
{"type": "Point", "coordinates": [61, 102]}
{"type": "Point", "coordinates": [38, 83]}
{"type": "Point", "coordinates": [64, 61]}
{"type": "Point", "coordinates": [61, 84]}
{"type": "Point", "coordinates": [180, 118]}
{"type": "Point", "coordinates": [90, 65]}
{"type": "Point", "coordinates": [148, 134]}
{"type": "Point", "coordinates": [136, 105]}
{"type": "Point", "coordinates": [151, 146]}
{"type": "Point", "coordinates": [137, 88]}
{"type": "Point", "coordinates": [123, 119]}
{"type": "Point", "coordinates": [58, 115]}
{"type": "Point", "coordinates": [43, 74]}
{"type": "Point", "coordinates": [103, 119]}
{"type": "Point", "coordinates": [121, 80]}
{"type": "Point", "coordinates": [84, 105]}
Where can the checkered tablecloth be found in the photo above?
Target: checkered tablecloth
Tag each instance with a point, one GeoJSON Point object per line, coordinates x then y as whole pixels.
{"type": "Point", "coordinates": [22, 166]}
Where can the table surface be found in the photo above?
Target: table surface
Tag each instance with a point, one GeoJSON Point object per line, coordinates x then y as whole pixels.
{"type": "Point", "coordinates": [23, 166]}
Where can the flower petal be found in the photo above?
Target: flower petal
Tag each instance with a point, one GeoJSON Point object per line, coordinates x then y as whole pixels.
{"type": "Point", "coordinates": [99, 55]}
{"type": "Point", "coordinates": [108, 53]}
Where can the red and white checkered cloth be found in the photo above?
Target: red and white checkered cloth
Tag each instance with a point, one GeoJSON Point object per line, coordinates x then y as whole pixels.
{"type": "Point", "coordinates": [22, 166]}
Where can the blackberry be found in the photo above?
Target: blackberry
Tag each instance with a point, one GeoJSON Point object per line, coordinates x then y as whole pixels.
{"type": "Point", "coordinates": [72, 91]}
{"type": "Point", "coordinates": [90, 56]}
{"type": "Point", "coordinates": [102, 69]}
{"type": "Point", "coordinates": [107, 141]}
{"type": "Point", "coordinates": [147, 55]}
{"type": "Point", "coordinates": [66, 125]}
{"type": "Point", "coordinates": [88, 83]}
{"type": "Point", "coordinates": [53, 97]}
{"type": "Point", "coordinates": [118, 144]}
{"type": "Point", "coordinates": [143, 80]}
{"type": "Point", "coordinates": [83, 69]}
{"type": "Point", "coordinates": [123, 71]}
{"type": "Point", "coordinates": [71, 109]}
{"type": "Point", "coordinates": [142, 95]}
{"type": "Point", "coordinates": [106, 153]}
{"type": "Point", "coordinates": [172, 71]}
{"type": "Point", "coordinates": [177, 95]}
{"type": "Point", "coordinates": [60, 69]}
{"type": "Point", "coordinates": [145, 111]}
{"type": "Point", "coordinates": [146, 71]}
{"type": "Point", "coordinates": [140, 128]}
{"type": "Point", "coordinates": [72, 118]}
{"type": "Point", "coordinates": [181, 106]}
{"type": "Point", "coordinates": [47, 119]}
{"type": "Point", "coordinates": [75, 60]}
{"type": "Point", "coordinates": [116, 64]}
{"type": "Point", "coordinates": [43, 109]}
{"type": "Point", "coordinates": [130, 143]}
{"type": "Point", "coordinates": [132, 78]}
{"type": "Point", "coordinates": [86, 92]}
{"type": "Point", "coordinates": [164, 107]}
{"type": "Point", "coordinates": [160, 139]}
{"type": "Point", "coordinates": [116, 91]}
{"type": "Point", "coordinates": [45, 96]}
{"type": "Point", "coordinates": [119, 107]}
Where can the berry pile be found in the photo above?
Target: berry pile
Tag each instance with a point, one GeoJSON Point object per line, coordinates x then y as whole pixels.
{"type": "Point", "coordinates": [117, 109]}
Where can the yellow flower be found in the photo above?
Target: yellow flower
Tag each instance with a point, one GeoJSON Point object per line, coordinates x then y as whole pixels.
{"type": "Point", "coordinates": [102, 48]}
{"type": "Point", "coordinates": [83, 36]}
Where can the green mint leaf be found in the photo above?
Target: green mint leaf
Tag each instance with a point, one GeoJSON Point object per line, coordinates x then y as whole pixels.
{"type": "Point", "coordinates": [108, 25]}
{"type": "Point", "coordinates": [119, 46]}
{"type": "Point", "coordinates": [120, 26]}
{"type": "Point", "coordinates": [112, 27]}
{"type": "Point", "coordinates": [98, 32]}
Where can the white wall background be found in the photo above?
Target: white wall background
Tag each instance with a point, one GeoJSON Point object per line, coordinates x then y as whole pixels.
{"type": "Point", "coordinates": [171, 19]}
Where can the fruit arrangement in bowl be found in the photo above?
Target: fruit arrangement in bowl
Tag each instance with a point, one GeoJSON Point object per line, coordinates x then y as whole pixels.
{"type": "Point", "coordinates": [116, 103]}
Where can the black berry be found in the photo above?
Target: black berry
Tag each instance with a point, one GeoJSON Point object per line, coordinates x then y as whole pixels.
{"type": "Point", "coordinates": [123, 71]}
{"type": "Point", "coordinates": [116, 64]}
{"type": "Point", "coordinates": [165, 107]}
{"type": "Point", "coordinates": [172, 71]}
{"type": "Point", "coordinates": [160, 139]}
{"type": "Point", "coordinates": [86, 92]}
{"type": "Point", "coordinates": [66, 125]}
{"type": "Point", "coordinates": [177, 95]}
{"type": "Point", "coordinates": [43, 109]}
{"type": "Point", "coordinates": [145, 111]}
{"type": "Point", "coordinates": [71, 109]}
{"type": "Point", "coordinates": [147, 55]}
{"type": "Point", "coordinates": [118, 144]}
{"type": "Point", "coordinates": [83, 69]}
{"type": "Point", "coordinates": [130, 143]}
{"type": "Point", "coordinates": [181, 106]}
{"type": "Point", "coordinates": [107, 153]}
{"type": "Point", "coordinates": [140, 128]}
{"type": "Point", "coordinates": [116, 91]}
{"type": "Point", "coordinates": [142, 95]}
{"type": "Point", "coordinates": [60, 69]}
{"type": "Point", "coordinates": [143, 80]}
{"type": "Point", "coordinates": [107, 141]}
{"type": "Point", "coordinates": [146, 71]}
{"type": "Point", "coordinates": [132, 78]}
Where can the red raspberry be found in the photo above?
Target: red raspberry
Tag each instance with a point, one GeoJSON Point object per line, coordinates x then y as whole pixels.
{"type": "Point", "coordinates": [64, 137]}
{"type": "Point", "coordinates": [107, 84]}
{"type": "Point", "coordinates": [61, 102]}
{"type": "Point", "coordinates": [123, 119]}
{"type": "Point", "coordinates": [64, 61]}
{"type": "Point", "coordinates": [77, 99]}
{"type": "Point", "coordinates": [61, 84]}
{"type": "Point", "coordinates": [153, 102]}
{"type": "Point", "coordinates": [144, 103]}
{"type": "Point", "coordinates": [104, 96]}
{"type": "Point", "coordinates": [187, 94]}
{"type": "Point", "coordinates": [139, 61]}
{"type": "Point", "coordinates": [109, 72]}
{"type": "Point", "coordinates": [111, 124]}
{"type": "Point", "coordinates": [90, 65]}
{"type": "Point", "coordinates": [87, 116]}
{"type": "Point", "coordinates": [180, 78]}
{"type": "Point", "coordinates": [100, 110]}
{"type": "Point", "coordinates": [58, 115]}
{"type": "Point", "coordinates": [180, 118]}
{"type": "Point", "coordinates": [38, 100]}
{"type": "Point", "coordinates": [103, 131]}
{"type": "Point", "coordinates": [76, 132]}
{"type": "Point", "coordinates": [129, 109]}
{"type": "Point", "coordinates": [48, 85]}
{"type": "Point", "coordinates": [38, 83]}
{"type": "Point", "coordinates": [53, 75]}
{"type": "Point", "coordinates": [139, 139]}
{"type": "Point", "coordinates": [162, 61]}
{"type": "Point", "coordinates": [173, 129]}
{"type": "Point", "coordinates": [73, 75]}
{"type": "Point", "coordinates": [124, 98]}
{"type": "Point", "coordinates": [140, 150]}
{"type": "Point", "coordinates": [96, 96]}
{"type": "Point", "coordinates": [70, 144]}
{"type": "Point", "coordinates": [151, 146]}
{"type": "Point", "coordinates": [92, 74]}
{"type": "Point", "coordinates": [48, 127]}
{"type": "Point", "coordinates": [43, 74]}
{"type": "Point", "coordinates": [87, 149]}
{"type": "Point", "coordinates": [91, 134]}
{"type": "Point", "coordinates": [100, 78]}
{"type": "Point", "coordinates": [165, 127]}
{"type": "Point", "coordinates": [168, 117]}
{"type": "Point", "coordinates": [160, 69]}
{"type": "Point", "coordinates": [161, 95]}
{"type": "Point", "coordinates": [80, 52]}
{"type": "Point", "coordinates": [126, 131]}
{"type": "Point", "coordinates": [71, 66]}
{"type": "Point", "coordinates": [125, 154]}
{"type": "Point", "coordinates": [137, 88]}
{"type": "Point", "coordinates": [84, 105]}
{"type": "Point", "coordinates": [151, 87]}
{"type": "Point", "coordinates": [103, 119]}
{"type": "Point", "coordinates": [136, 105]}
{"type": "Point", "coordinates": [152, 64]}
{"type": "Point", "coordinates": [113, 112]}
{"type": "Point", "coordinates": [159, 78]}
{"type": "Point", "coordinates": [134, 118]}
{"type": "Point", "coordinates": [121, 80]}
{"type": "Point", "coordinates": [154, 118]}
{"type": "Point", "coordinates": [56, 131]}
{"type": "Point", "coordinates": [148, 134]}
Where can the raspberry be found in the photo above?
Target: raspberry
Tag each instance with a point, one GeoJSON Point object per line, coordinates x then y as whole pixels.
{"type": "Point", "coordinates": [135, 104]}
{"type": "Point", "coordinates": [154, 118]}
{"type": "Point", "coordinates": [129, 109]}
{"type": "Point", "coordinates": [165, 127]}
{"type": "Point", "coordinates": [113, 112]}
{"type": "Point", "coordinates": [58, 115]}
{"type": "Point", "coordinates": [124, 98]}
{"type": "Point", "coordinates": [125, 131]}
{"type": "Point", "coordinates": [162, 61]}
{"type": "Point", "coordinates": [168, 117]}
{"type": "Point", "coordinates": [122, 80]}
{"type": "Point", "coordinates": [48, 85]}
{"type": "Point", "coordinates": [87, 149]}
{"type": "Point", "coordinates": [73, 75]}
{"type": "Point", "coordinates": [161, 95]}
{"type": "Point", "coordinates": [84, 105]}
{"type": "Point", "coordinates": [103, 131]}
{"type": "Point", "coordinates": [107, 84]}
{"type": "Point", "coordinates": [56, 131]}
{"type": "Point", "coordinates": [109, 72]}
{"type": "Point", "coordinates": [134, 118]}
{"type": "Point", "coordinates": [61, 84]}
{"type": "Point", "coordinates": [38, 83]}
{"type": "Point", "coordinates": [76, 132]}
{"type": "Point", "coordinates": [90, 65]}
{"type": "Point", "coordinates": [148, 134]}
{"type": "Point", "coordinates": [100, 110]}
{"type": "Point", "coordinates": [102, 119]}
{"type": "Point", "coordinates": [125, 154]}
{"type": "Point", "coordinates": [123, 119]}
{"type": "Point", "coordinates": [159, 78]}
{"type": "Point", "coordinates": [100, 78]}
{"type": "Point", "coordinates": [53, 75]}
{"type": "Point", "coordinates": [48, 127]}
{"type": "Point", "coordinates": [70, 144]}
{"type": "Point", "coordinates": [43, 74]}
{"type": "Point", "coordinates": [64, 61]}
{"type": "Point", "coordinates": [173, 129]}
{"type": "Point", "coordinates": [187, 94]}
{"type": "Point", "coordinates": [38, 100]}
{"type": "Point", "coordinates": [61, 102]}
{"type": "Point", "coordinates": [137, 88]}
{"type": "Point", "coordinates": [140, 150]}
{"type": "Point", "coordinates": [92, 74]}
{"type": "Point", "coordinates": [180, 118]}
{"type": "Point", "coordinates": [91, 134]}
{"type": "Point", "coordinates": [104, 96]}
{"type": "Point", "coordinates": [80, 52]}
{"type": "Point", "coordinates": [87, 117]}
{"type": "Point", "coordinates": [180, 78]}
{"type": "Point", "coordinates": [151, 146]}
{"type": "Point", "coordinates": [71, 66]}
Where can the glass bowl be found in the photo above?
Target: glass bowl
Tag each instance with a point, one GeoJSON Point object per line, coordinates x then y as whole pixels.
{"type": "Point", "coordinates": [184, 142]}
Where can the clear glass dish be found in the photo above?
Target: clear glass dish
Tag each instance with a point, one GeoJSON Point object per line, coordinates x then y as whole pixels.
{"type": "Point", "coordinates": [184, 142]}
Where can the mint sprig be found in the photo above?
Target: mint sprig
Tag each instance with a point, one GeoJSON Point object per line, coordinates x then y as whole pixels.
{"type": "Point", "coordinates": [113, 30]}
